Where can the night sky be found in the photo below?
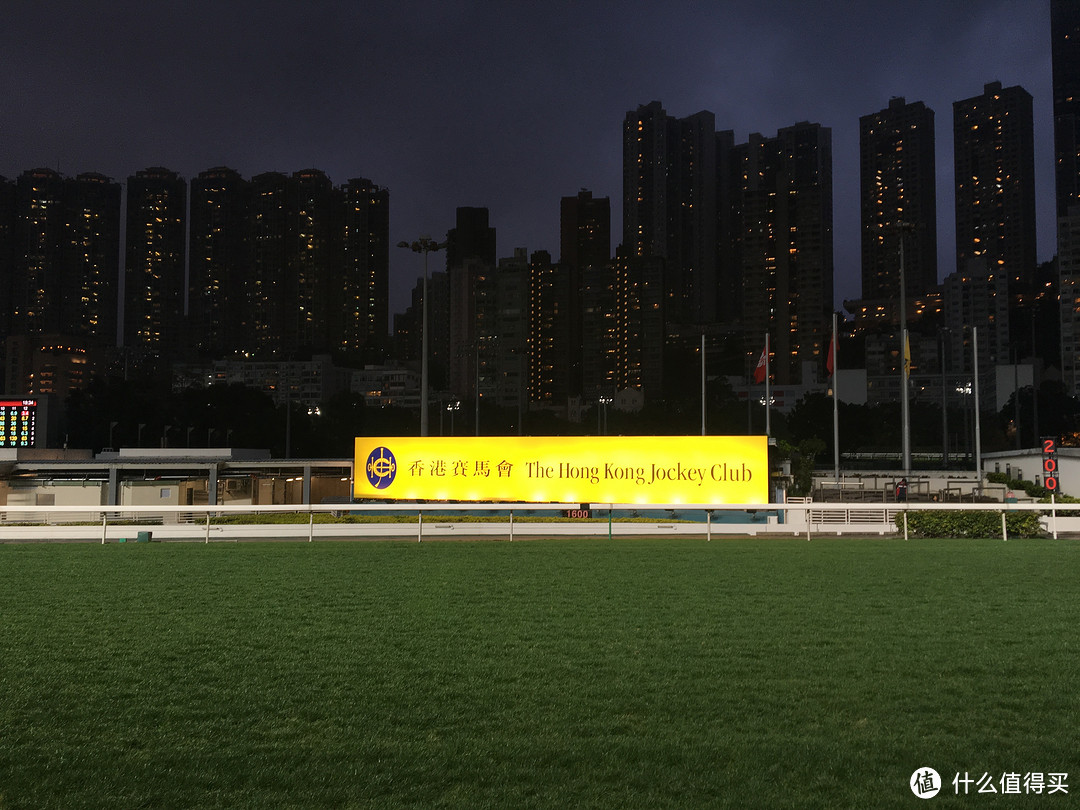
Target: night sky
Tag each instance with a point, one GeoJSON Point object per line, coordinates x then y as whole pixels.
{"type": "Point", "coordinates": [500, 104]}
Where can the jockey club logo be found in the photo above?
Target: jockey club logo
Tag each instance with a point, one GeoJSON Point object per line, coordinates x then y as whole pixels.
{"type": "Point", "coordinates": [381, 468]}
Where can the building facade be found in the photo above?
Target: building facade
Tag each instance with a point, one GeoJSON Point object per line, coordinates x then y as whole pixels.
{"type": "Point", "coordinates": [365, 278]}
{"type": "Point", "coordinates": [1065, 48]}
{"type": "Point", "coordinates": [155, 286]}
{"type": "Point", "coordinates": [64, 257]}
{"type": "Point", "coordinates": [219, 276]}
{"type": "Point", "coordinates": [670, 205]}
{"type": "Point", "coordinates": [470, 267]}
{"type": "Point", "coordinates": [1065, 60]}
{"type": "Point", "coordinates": [786, 247]}
{"type": "Point", "coordinates": [897, 198]}
{"type": "Point", "coordinates": [994, 167]}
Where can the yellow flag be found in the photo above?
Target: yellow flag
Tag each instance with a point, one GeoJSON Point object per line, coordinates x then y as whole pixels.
{"type": "Point", "coordinates": [907, 354]}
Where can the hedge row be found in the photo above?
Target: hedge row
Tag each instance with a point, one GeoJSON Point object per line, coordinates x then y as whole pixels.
{"type": "Point", "coordinates": [942, 523]}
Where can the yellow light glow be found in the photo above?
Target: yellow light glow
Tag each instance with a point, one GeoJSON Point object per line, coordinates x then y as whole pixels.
{"type": "Point", "coordinates": [566, 469]}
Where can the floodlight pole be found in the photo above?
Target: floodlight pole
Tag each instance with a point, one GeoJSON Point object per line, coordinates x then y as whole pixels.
{"type": "Point", "coordinates": [835, 354]}
{"type": "Point", "coordinates": [425, 245]}
{"type": "Point", "coordinates": [905, 353]}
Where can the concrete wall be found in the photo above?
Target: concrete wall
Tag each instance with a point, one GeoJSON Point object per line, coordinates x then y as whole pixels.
{"type": "Point", "coordinates": [64, 493]}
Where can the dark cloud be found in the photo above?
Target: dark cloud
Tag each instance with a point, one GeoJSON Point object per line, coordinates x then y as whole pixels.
{"type": "Point", "coordinates": [508, 105]}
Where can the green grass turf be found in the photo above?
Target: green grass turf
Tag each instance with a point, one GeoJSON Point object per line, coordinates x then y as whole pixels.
{"type": "Point", "coordinates": [571, 673]}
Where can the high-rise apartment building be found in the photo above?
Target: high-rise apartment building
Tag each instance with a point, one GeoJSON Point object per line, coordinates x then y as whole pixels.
{"type": "Point", "coordinates": [728, 232]}
{"type": "Point", "coordinates": [7, 251]}
{"type": "Point", "coordinates": [623, 327]}
{"type": "Point", "coordinates": [60, 256]}
{"type": "Point", "coordinates": [898, 200]}
{"type": "Point", "coordinates": [37, 293]}
{"type": "Point", "coordinates": [550, 352]}
{"type": "Point", "coordinates": [93, 243]}
{"type": "Point", "coordinates": [978, 298]}
{"type": "Point", "coordinates": [1065, 49]}
{"type": "Point", "coordinates": [314, 257]}
{"type": "Point", "coordinates": [365, 274]}
{"type": "Point", "coordinates": [642, 324]}
{"type": "Point", "coordinates": [268, 291]}
{"type": "Point", "coordinates": [154, 274]}
{"type": "Point", "coordinates": [994, 164]}
{"type": "Point", "coordinates": [646, 160]}
{"type": "Point", "coordinates": [786, 246]}
{"type": "Point", "coordinates": [60, 260]}
{"type": "Point", "coordinates": [301, 299]}
{"type": "Point", "coordinates": [219, 312]}
{"type": "Point", "coordinates": [1065, 56]}
{"type": "Point", "coordinates": [555, 302]}
{"type": "Point", "coordinates": [584, 230]}
{"type": "Point", "coordinates": [601, 330]}
{"type": "Point", "coordinates": [1068, 243]}
{"type": "Point", "coordinates": [670, 205]}
{"type": "Point", "coordinates": [65, 259]}
{"type": "Point", "coordinates": [506, 332]}
{"type": "Point", "coordinates": [470, 265]}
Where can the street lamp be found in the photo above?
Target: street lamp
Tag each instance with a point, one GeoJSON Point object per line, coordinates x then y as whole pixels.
{"type": "Point", "coordinates": [425, 245]}
{"type": "Point", "coordinates": [604, 402]}
{"type": "Point", "coordinates": [452, 408]}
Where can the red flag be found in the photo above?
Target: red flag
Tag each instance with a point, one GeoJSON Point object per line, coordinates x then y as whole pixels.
{"type": "Point", "coordinates": [759, 372]}
{"type": "Point", "coordinates": [830, 359]}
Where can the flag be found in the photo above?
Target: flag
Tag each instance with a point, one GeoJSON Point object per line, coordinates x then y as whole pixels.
{"type": "Point", "coordinates": [830, 360]}
{"type": "Point", "coordinates": [759, 371]}
{"type": "Point", "coordinates": [907, 355]}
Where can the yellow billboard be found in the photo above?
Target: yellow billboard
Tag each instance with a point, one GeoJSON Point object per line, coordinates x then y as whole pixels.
{"type": "Point", "coordinates": [564, 469]}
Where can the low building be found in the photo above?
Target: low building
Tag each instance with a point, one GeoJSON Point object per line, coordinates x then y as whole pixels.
{"type": "Point", "coordinates": [1027, 465]}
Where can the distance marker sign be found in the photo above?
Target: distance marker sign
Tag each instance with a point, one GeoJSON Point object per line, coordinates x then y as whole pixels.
{"type": "Point", "coordinates": [564, 469]}
{"type": "Point", "coordinates": [1050, 465]}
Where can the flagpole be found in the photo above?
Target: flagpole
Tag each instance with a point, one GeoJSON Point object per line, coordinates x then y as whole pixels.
{"type": "Point", "coordinates": [768, 430]}
{"type": "Point", "coordinates": [835, 404]}
{"type": "Point", "coordinates": [750, 397]}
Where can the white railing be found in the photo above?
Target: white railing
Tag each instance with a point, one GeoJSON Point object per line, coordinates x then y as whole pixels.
{"type": "Point", "coordinates": [113, 523]}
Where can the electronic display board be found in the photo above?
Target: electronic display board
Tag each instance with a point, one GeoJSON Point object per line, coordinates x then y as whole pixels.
{"type": "Point", "coordinates": [18, 422]}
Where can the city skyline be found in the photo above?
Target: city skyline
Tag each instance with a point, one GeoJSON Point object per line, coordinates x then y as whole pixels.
{"type": "Point", "coordinates": [408, 97]}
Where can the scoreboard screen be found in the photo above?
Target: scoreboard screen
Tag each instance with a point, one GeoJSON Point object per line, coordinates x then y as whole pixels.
{"type": "Point", "coordinates": [18, 422]}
